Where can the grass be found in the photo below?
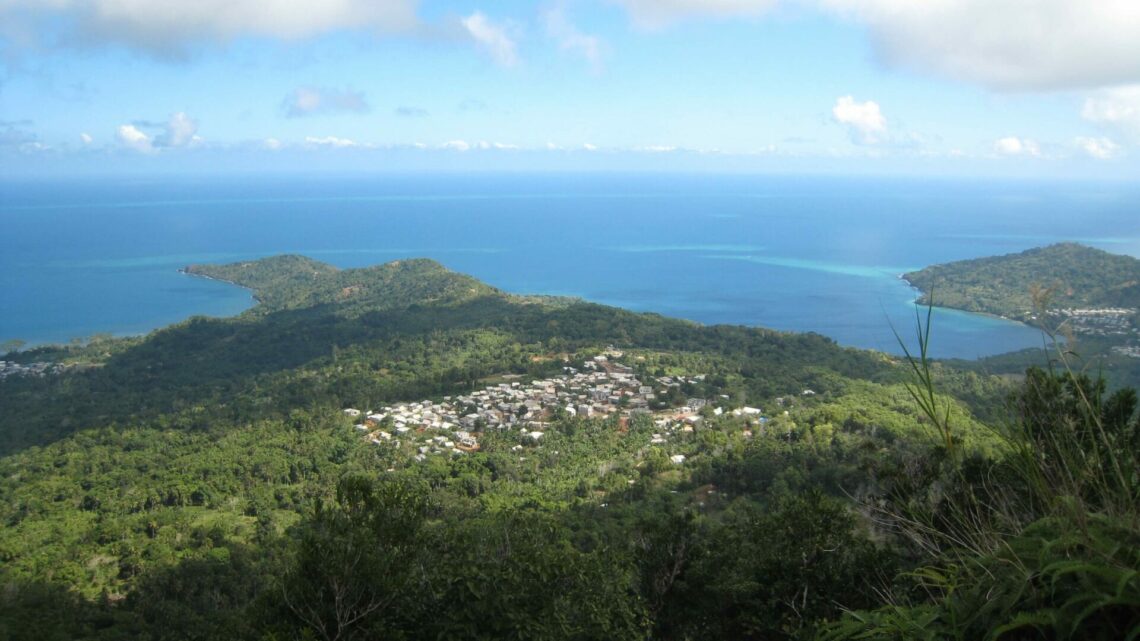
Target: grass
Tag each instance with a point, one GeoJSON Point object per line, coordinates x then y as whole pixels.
{"type": "Point", "coordinates": [1042, 543]}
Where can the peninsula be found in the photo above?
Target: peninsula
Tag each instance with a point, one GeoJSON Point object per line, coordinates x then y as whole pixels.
{"type": "Point", "coordinates": [1065, 276]}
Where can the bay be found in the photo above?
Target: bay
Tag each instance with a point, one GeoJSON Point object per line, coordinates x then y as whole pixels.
{"type": "Point", "coordinates": [818, 253]}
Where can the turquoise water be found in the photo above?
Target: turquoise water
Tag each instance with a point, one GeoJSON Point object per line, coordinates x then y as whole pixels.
{"type": "Point", "coordinates": [806, 254]}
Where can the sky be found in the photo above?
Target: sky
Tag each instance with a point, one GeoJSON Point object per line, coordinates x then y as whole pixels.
{"type": "Point", "coordinates": [1019, 88]}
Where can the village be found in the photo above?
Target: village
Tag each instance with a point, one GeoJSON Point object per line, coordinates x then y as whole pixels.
{"type": "Point", "coordinates": [603, 387]}
{"type": "Point", "coordinates": [9, 368]}
{"type": "Point", "coordinates": [1107, 321]}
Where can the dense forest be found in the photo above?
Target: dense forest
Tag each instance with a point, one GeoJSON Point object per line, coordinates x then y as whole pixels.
{"type": "Point", "coordinates": [205, 482]}
{"type": "Point", "coordinates": [1017, 285]}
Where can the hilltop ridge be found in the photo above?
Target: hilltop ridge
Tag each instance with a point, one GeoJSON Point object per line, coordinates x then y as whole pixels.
{"type": "Point", "coordinates": [1065, 275]}
{"type": "Point", "coordinates": [291, 282]}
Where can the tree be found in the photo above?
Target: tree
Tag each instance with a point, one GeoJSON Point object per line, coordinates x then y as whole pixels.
{"type": "Point", "coordinates": [356, 559]}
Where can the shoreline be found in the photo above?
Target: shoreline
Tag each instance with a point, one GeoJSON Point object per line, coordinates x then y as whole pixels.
{"type": "Point", "coordinates": [252, 294]}
{"type": "Point", "coordinates": [922, 294]}
{"type": "Point", "coordinates": [190, 270]}
{"type": "Point", "coordinates": [31, 344]}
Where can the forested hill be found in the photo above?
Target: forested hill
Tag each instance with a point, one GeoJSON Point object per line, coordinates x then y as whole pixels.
{"type": "Point", "coordinates": [1073, 275]}
{"type": "Point", "coordinates": [402, 452]}
{"type": "Point", "coordinates": [354, 337]}
{"type": "Point", "coordinates": [297, 282]}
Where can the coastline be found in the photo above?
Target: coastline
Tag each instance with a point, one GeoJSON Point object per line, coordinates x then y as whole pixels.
{"type": "Point", "coordinates": [960, 336]}
{"type": "Point", "coordinates": [252, 294]}
{"type": "Point", "coordinates": [921, 294]}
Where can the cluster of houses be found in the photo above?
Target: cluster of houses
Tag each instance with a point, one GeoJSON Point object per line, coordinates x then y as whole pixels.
{"type": "Point", "coordinates": [603, 387]}
{"type": "Point", "coordinates": [1132, 351]}
{"type": "Point", "coordinates": [8, 368]}
{"type": "Point", "coordinates": [1103, 321]}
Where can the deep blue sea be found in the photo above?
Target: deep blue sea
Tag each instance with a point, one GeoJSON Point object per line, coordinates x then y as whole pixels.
{"type": "Point", "coordinates": [817, 254]}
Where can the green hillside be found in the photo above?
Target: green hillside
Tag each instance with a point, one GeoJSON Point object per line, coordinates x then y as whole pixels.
{"type": "Point", "coordinates": [528, 468]}
{"type": "Point", "coordinates": [296, 282]}
{"type": "Point", "coordinates": [1067, 274]}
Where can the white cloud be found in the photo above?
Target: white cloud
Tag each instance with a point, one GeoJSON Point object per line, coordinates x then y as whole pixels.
{"type": "Point", "coordinates": [1007, 44]}
{"type": "Point", "coordinates": [147, 136]}
{"type": "Point", "coordinates": [308, 101]}
{"type": "Point", "coordinates": [131, 137]}
{"type": "Point", "coordinates": [657, 149]}
{"type": "Point", "coordinates": [491, 37]}
{"type": "Point", "coordinates": [272, 144]}
{"type": "Point", "coordinates": [330, 141]}
{"type": "Point", "coordinates": [168, 28]}
{"type": "Point", "coordinates": [588, 147]}
{"type": "Point", "coordinates": [180, 132]}
{"type": "Point", "coordinates": [655, 14]}
{"type": "Point", "coordinates": [1116, 109]}
{"type": "Point", "coordinates": [570, 39]}
{"type": "Point", "coordinates": [502, 146]}
{"type": "Point", "coordinates": [456, 145]}
{"type": "Point", "coordinates": [1099, 148]}
{"type": "Point", "coordinates": [86, 138]}
{"type": "Point", "coordinates": [864, 120]}
{"type": "Point", "coordinates": [1014, 146]}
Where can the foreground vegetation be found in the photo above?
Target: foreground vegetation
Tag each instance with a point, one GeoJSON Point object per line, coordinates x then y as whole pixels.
{"type": "Point", "coordinates": [203, 483]}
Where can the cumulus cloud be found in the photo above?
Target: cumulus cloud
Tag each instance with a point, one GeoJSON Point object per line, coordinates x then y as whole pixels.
{"type": "Point", "coordinates": [1004, 44]}
{"type": "Point", "coordinates": [309, 101]}
{"type": "Point", "coordinates": [86, 138]}
{"type": "Point", "coordinates": [272, 144]}
{"type": "Point", "coordinates": [180, 131]}
{"type": "Point", "coordinates": [492, 38]}
{"type": "Point", "coordinates": [147, 136]}
{"type": "Point", "coordinates": [655, 14]}
{"type": "Point", "coordinates": [330, 141]}
{"type": "Point", "coordinates": [456, 145]}
{"type": "Point", "coordinates": [1099, 148]}
{"type": "Point", "coordinates": [570, 39]}
{"type": "Point", "coordinates": [170, 28]}
{"type": "Point", "coordinates": [1116, 109]}
{"type": "Point", "coordinates": [1010, 44]}
{"type": "Point", "coordinates": [864, 120]}
{"type": "Point", "coordinates": [132, 138]}
{"type": "Point", "coordinates": [1014, 146]}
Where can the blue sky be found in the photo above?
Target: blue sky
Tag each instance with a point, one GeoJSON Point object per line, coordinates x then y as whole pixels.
{"type": "Point", "coordinates": [1044, 88]}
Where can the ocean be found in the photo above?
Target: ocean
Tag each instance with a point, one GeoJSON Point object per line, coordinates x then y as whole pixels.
{"type": "Point", "coordinates": [818, 254]}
